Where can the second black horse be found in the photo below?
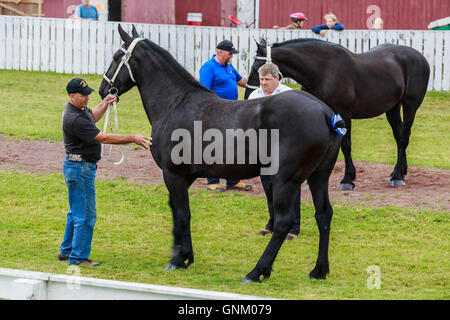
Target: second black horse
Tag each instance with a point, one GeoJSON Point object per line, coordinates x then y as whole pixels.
{"type": "Point", "coordinates": [358, 86]}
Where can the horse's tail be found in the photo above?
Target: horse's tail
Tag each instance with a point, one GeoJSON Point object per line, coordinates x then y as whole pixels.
{"type": "Point", "coordinates": [337, 124]}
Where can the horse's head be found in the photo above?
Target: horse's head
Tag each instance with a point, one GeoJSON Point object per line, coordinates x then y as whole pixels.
{"type": "Point", "coordinates": [259, 60]}
{"type": "Point", "coordinates": [121, 74]}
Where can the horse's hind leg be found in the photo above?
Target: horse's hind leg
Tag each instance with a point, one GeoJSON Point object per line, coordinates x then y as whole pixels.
{"type": "Point", "coordinates": [179, 203]}
{"type": "Point", "coordinates": [318, 184]}
{"type": "Point", "coordinates": [346, 146]}
{"type": "Point", "coordinates": [267, 186]}
{"type": "Point", "coordinates": [284, 197]}
{"type": "Point", "coordinates": [323, 215]}
{"type": "Point", "coordinates": [409, 107]}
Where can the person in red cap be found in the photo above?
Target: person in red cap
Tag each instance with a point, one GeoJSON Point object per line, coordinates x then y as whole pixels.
{"type": "Point", "coordinates": [297, 18]}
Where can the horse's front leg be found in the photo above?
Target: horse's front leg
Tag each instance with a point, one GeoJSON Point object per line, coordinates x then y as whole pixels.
{"type": "Point", "coordinates": [395, 120]}
{"type": "Point", "coordinates": [346, 146]}
{"type": "Point", "coordinates": [182, 253]}
{"type": "Point", "coordinates": [284, 199]}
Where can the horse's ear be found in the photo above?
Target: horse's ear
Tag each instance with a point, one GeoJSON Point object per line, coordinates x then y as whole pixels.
{"type": "Point", "coordinates": [260, 46]}
{"type": "Point", "coordinates": [134, 32]}
{"type": "Point", "coordinates": [263, 42]}
{"type": "Point", "coordinates": [124, 36]}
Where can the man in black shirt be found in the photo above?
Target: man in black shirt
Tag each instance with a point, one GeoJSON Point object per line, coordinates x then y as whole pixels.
{"type": "Point", "coordinates": [82, 143]}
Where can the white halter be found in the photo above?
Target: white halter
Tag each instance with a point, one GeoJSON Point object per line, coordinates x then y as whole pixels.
{"type": "Point", "coordinates": [126, 57]}
{"type": "Point", "coordinates": [267, 58]}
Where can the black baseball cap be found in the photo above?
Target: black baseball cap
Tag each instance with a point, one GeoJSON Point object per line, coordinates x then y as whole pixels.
{"type": "Point", "coordinates": [78, 85]}
{"type": "Point", "coordinates": [227, 45]}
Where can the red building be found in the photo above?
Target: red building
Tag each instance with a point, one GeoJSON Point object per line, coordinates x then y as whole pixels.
{"type": "Point", "coordinates": [214, 12]}
{"type": "Point", "coordinates": [354, 14]}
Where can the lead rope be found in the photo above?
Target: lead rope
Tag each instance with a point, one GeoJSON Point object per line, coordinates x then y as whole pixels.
{"type": "Point", "coordinates": [105, 128]}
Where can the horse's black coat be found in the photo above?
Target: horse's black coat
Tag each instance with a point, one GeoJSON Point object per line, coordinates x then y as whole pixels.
{"type": "Point", "coordinates": [357, 86]}
{"type": "Point", "coordinates": [173, 99]}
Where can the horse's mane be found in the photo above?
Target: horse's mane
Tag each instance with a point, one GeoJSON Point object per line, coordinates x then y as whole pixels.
{"type": "Point", "coordinates": [177, 68]}
{"type": "Point", "coordinates": [309, 41]}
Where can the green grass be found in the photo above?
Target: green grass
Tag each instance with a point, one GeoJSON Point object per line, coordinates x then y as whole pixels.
{"type": "Point", "coordinates": [133, 232]}
{"type": "Point", "coordinates": [32, 102]}
{"type": "Point", "coordinates": [133, 241]}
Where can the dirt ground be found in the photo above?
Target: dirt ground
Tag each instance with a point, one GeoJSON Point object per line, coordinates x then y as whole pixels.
{"type": "Point", "coordinates": [426, 188]}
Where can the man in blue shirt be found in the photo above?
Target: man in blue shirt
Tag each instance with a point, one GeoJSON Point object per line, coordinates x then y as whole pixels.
{"type": "Point", "coordinates": [85, 11]}
{"type": "Point", "coordinates": [220, 76]}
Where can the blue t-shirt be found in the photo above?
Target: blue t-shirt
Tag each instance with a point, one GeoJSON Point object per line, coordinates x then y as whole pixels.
{"type": "Point", "coordinates": [220, 79]}
{"type": "Point", "coordinates": [87, 13]}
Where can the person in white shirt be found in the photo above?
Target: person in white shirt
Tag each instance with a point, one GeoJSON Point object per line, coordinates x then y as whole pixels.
{"type": "Point", "coordinates": [269, 80]}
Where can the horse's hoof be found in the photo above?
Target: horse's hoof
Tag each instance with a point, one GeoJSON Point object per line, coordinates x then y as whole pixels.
{"type": "Point", "coordinates": [317, 277]}
{"type": "Point", "coordinates": [319, 273]}
{"type": "Point", "coordinates": [172, 267]}
{"type": "Point", "coordinates": [346, 186]}
{"type": "Point", "coordinates": [248, 280]}
{"type": "Point", "coordinates": [396, 182]}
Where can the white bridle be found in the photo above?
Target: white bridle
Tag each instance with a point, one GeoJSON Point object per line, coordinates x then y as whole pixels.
{"type": "Point", "coordinates": [126, 57]}
{"type": "Point", "coordinates": [267, 58]}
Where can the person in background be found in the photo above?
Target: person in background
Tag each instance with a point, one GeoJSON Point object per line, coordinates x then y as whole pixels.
{"type": "Point", "coordinates": [86, 12]}
{"type": "Point", "coordinates": [219, 75]}
{"type": "Point", "coordinates": [269, 79]}
{"type": "Point", "coordinates": [332, 23]}
{"type": "Point", "coordinates": [297, 18]}
{"type": "Point", "coordinates": [378, 24]}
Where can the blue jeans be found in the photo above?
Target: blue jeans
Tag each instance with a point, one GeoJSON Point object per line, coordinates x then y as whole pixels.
{"type": "Point", "coordinates": [217, 181]}
{"type": "Point", "coordinates": [80, 181]}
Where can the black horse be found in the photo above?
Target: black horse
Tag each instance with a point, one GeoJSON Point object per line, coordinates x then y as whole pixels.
{"type": "Point", "coordinates": [175, 102]}
{"type": "Point", "coordinates": [358, 86]}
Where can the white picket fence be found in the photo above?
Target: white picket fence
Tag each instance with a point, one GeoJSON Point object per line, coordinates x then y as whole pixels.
{"type": "Point", "coordinates": [81, 47]}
